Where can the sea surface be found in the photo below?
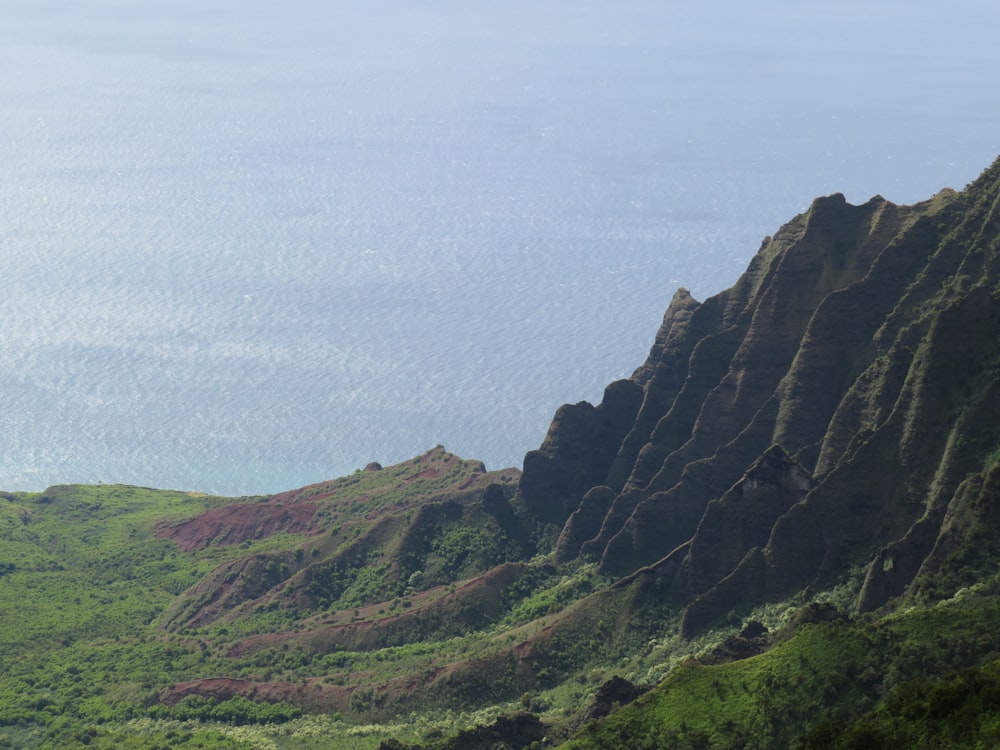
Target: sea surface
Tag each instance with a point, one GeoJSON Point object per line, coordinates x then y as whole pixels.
{"type": "Point", "coordinates": [247, 245]}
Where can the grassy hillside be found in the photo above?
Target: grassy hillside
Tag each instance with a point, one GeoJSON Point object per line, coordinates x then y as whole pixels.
{"type": "Point", "coordinates": [92, 578]}
{"type": "Point", "coordinates": [811, 690]}
{"type": "Point", "coordinates": [87, 661]}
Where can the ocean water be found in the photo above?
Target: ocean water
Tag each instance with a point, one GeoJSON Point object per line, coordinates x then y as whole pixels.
{"type": "Point", "coordinates": [246, 246]}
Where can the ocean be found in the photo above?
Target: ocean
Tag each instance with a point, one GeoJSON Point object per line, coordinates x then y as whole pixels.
{"type": "Point", "coordinates": [246, 246]}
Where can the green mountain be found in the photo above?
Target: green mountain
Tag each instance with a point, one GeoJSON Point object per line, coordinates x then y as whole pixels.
{"type": "Point", "coordinates": [781, 531]}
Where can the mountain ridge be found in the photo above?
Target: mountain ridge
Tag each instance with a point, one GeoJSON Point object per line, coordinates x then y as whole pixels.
{"type": "Point", "coordinates": [819, 343]}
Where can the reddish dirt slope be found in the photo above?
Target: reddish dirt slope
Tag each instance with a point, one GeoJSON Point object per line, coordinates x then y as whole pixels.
{"type": "Point", "coordinates": [234, 524]}
{"type": "Point", "coordinates": [468, 606]}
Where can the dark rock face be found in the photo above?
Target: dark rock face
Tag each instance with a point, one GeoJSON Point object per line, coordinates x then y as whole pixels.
{"type": "Point", "coordinates": [584, 523]}
{"type": "Point", "coordinates": [512, 732]}
{"type": "Point", "coordinates": [577, 452]}
{"type": "Point", "coordinates": [741, 520]}
{"type": "Point", "coordinates": [751, 640]}
{"type": "Point", "coordinates": [837, 406]}
{"type": "Point", "coordinates": [614, 693]}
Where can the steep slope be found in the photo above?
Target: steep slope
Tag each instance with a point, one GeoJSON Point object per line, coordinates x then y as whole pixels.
{"type": "Point", "coordinates": [822, 413]}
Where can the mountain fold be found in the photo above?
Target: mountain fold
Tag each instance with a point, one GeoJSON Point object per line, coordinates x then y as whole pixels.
{"type": "Point", "coordinates": [835, 408]}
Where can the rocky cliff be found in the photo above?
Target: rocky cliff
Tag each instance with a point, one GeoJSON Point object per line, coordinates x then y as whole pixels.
{"type": "Point", "coordinates": [838, 406]}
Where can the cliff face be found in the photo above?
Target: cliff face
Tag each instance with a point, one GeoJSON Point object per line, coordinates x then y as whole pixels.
{"type": "Point", "coordinates": [837, 406]}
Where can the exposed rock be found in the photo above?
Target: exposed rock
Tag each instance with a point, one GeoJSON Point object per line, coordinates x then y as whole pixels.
{"type": "Point", "coordinates": [584, 523]}
{"type": "Point", "coordinates": [614, 693]}
{"type": "Point", "coordinates": [753, 629]}
{"type": "Point", "coordinates": [741, 519]}
{"type": "Point", "coordinates": [577, 452]}
{"type": "Point", "coordinates": [751, 640]}
{"type": "Point", "coordinates": [511, 732]}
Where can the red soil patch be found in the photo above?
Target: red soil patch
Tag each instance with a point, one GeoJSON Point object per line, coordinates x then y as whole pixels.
{"type": "Point", "coordinates": [314, 695]}
{"type": "Point", "coordinates": [234, 524]}
{"type": "Point", "coordinates": [219, 688]}
{"type": "Point", "coordinates": [344, 630]}
{"type": "Point", "coordinates": [430, 472]}
{"type": "Point", "coordinates": [476, 480]}
{"type": "Point", "coordinates": [314, 493]}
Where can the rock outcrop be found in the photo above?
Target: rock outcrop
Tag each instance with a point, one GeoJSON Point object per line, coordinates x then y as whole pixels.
{"type": "Point", "coordinates": [613, 694]}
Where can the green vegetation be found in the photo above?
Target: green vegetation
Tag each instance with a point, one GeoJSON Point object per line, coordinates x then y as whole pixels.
{"type": "Point", "coordinates": [86, 587]}
{"type": "Point", "coordinates": [960, 710]}
{"type": "Point", "coordinates": [819, 678]}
